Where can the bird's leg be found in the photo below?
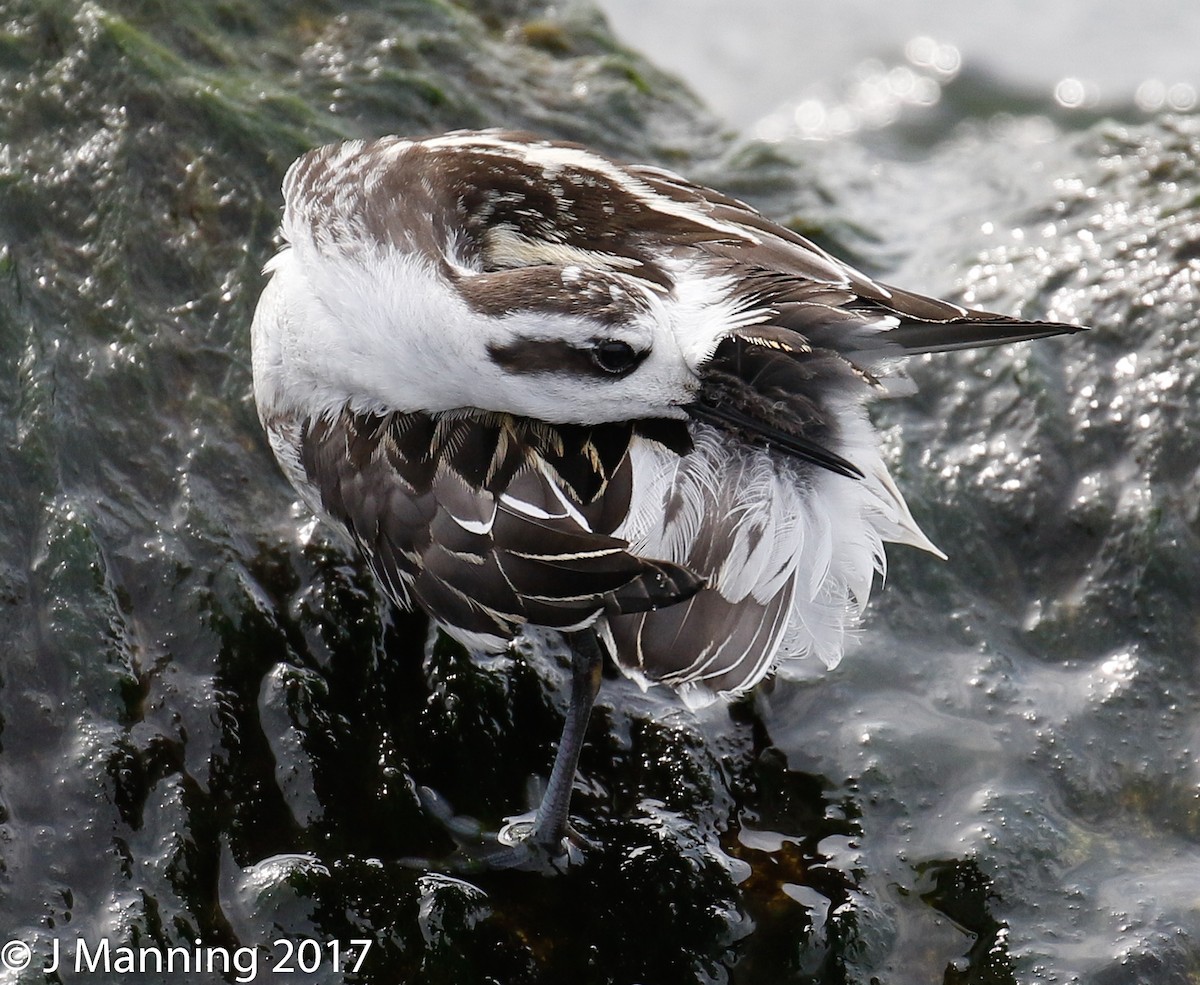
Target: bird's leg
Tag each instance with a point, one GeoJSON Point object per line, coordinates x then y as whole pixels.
{"type": "Point", "coordinates": [533, 840]}
{"type": "Point", "coordinates": [550, 822]}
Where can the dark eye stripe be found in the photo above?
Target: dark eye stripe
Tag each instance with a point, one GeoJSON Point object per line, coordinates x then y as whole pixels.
{"type": "Point", "coordinates": [531, 357]}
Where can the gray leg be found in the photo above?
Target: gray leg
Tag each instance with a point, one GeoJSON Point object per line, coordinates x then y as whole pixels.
{"type": "Point", "coordinates": [550, 822]}
{"type": "Point", "coordinates": [537, 841]}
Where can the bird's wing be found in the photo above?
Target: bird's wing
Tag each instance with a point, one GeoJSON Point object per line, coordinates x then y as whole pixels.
{"type": "Point", "coordinates": [707, 644]}
{"type": "Point", "coordinates": [468, 516]}
{"type": "Point", "coordinates": [825, 300]}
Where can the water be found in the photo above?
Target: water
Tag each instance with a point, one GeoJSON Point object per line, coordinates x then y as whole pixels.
{"type": "Point", "coordinates": [764, 58]}
{"type": "Point", "coordinates": [212, 729]}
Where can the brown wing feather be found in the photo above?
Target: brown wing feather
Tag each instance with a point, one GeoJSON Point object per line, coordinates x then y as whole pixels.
{"type": "Point", "coordinates": [464, 516]}
{"type": "Point", "coordinates": [829, 302]}
{"type": "Point", "coordinates": [707, 640]}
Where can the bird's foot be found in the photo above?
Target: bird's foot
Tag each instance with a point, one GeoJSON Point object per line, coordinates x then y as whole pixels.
{"type": "Point", "coordinates": [522, 843]}
{"type": "Point", "coordinates": [562, 839]}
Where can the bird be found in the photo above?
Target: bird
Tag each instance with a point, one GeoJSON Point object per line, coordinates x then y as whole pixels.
{"type": "Point", "coordinates": [539, 388]}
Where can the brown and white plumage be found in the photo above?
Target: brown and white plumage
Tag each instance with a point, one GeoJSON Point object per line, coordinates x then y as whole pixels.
{"type": "Point", "coordinates": [539, 387]}
{"type": "Point", "coordinates": [489, 521]}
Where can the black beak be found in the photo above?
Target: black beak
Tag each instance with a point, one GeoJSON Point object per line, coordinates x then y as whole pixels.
{"type": "Point", "coordinates": [775, 395]}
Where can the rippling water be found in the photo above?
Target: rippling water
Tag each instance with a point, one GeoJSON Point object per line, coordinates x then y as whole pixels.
{"type": "Point", "coordinates": [212, 729]}
{"type": "Point", "coordinates": [856, 63]}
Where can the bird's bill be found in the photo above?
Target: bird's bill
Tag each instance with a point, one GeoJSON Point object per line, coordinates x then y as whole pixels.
{"type": "Point", "coordinates": [773, 397]}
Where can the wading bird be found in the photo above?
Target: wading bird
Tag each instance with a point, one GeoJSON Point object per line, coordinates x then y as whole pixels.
{"type": "Point", "coordinates": [535, 386]}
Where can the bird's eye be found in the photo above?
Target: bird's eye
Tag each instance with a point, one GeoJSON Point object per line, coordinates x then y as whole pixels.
{"type": "Point", "coordinates": [614, 356]}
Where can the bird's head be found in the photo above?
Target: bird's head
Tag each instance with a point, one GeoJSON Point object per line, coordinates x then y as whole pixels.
{"type": "Point", "coordinates": [489, 272]}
